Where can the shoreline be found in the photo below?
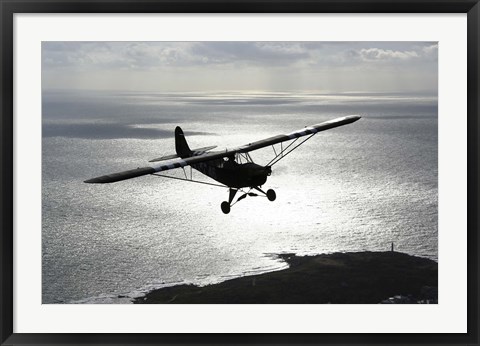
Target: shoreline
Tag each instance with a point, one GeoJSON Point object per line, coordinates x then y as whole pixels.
{"type": "Point", "coordinates": [337, 278]}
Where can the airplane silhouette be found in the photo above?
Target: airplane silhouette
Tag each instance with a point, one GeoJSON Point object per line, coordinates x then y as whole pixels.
{"type": "Point", "coordinates": [232, 168]}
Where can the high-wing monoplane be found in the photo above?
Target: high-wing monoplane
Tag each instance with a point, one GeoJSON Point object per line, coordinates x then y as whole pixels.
{"type": "Point", "coordinates": [232, 168]}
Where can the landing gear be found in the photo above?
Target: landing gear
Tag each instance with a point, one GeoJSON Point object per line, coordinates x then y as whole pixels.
{"type": "Point", "coordinates": [271, 195]}
{"type": "Point", "coordinates": [226, 205]}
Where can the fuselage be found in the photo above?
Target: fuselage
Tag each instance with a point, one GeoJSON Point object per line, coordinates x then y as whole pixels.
{"type": "Point", "coordinates": [234, 174]}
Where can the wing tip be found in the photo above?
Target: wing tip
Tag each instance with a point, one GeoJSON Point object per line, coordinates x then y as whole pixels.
{"type": "Point", "coordinates": [114, 177]}
{"type": "Point", "coordinates": [355, 117]}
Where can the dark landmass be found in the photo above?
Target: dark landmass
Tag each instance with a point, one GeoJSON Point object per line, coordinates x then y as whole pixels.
{"type": "Point", "coordinates": [339, 278]}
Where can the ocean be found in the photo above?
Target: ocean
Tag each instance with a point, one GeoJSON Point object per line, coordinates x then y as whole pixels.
{"type": "Point", "coordinates": [359, 187]}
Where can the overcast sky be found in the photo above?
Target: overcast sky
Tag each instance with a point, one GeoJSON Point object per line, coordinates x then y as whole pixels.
{"type": "Point", "coordinates": [268, 66]}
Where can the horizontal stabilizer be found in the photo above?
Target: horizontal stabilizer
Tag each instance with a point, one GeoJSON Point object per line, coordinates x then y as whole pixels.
{"type": "Point", "coordinates": [163, 158]}
{"type": "Point", "coordinates": [202, 150]}
{"type": "Point", "coordinates": [195, 152]}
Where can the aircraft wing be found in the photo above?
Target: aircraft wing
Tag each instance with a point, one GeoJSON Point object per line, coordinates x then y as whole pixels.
{"type": "Point", "coordinates": [299, 133]}
{"type": "Point", "coordinates": [178, 163]}
{"type": "Point", "coordinates": [111, 178]}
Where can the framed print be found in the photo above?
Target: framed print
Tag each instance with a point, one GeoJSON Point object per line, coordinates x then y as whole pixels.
{"type": "Point", "coordinates": [239, 173]}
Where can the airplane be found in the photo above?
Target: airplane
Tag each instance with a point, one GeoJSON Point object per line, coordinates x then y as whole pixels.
{"type": "Point", "coordinates": [232, 168]}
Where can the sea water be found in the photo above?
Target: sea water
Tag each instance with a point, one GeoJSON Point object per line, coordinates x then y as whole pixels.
{"type": "Point", "coordinates": [359, 187]}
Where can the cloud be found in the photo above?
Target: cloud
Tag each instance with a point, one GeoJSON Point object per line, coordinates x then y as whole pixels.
{"type": "Point", "coordinates": [162, 55]}
{"type": "Point", "coordinates": [416, 53]}
{"type": "Point", "coordinates": [252, 53]}
{"type": "Point", "coordinates": [237, 65]}
{"type": "Point", "coordinates": [431, 50]}
{"type": "Point", "coordinates": [156, 55]}
{"type": "Point", "coordinates": [125, 55]}
{"type": "Point", "coordinates": [373, 54]}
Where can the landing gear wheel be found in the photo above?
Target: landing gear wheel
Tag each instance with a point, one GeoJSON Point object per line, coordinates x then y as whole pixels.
{"type": "Point", "coordinates": [225, 207]}
{"type": "Point", "coordinates": [271, 195]}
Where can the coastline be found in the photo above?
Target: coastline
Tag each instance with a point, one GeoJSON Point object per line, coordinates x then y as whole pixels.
{"type": "Point", "coordinates": [338, 278]}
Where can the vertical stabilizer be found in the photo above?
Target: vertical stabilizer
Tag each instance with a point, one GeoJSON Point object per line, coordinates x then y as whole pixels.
{"type": "Point", "coordinates": [181, 145]}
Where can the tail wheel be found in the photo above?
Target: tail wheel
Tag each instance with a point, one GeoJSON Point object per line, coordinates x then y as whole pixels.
{"type": "Point", "coordinates": [225, 207]}
{"type": "Point", "coordinates": [271, 195]}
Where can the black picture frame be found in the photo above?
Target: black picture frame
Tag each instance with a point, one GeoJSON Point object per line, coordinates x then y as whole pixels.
{"type": "Point", "coordinates": [9, 7]}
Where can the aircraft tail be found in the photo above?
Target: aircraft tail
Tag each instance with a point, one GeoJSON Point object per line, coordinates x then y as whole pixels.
{"type": "Point", "coordinates": [181, 146]}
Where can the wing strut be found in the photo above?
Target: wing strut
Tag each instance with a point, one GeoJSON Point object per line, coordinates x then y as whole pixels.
{"type": "Point", "coordinates": [285, 152]}
{"type": "Point", "coordinates": [189, 180]}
